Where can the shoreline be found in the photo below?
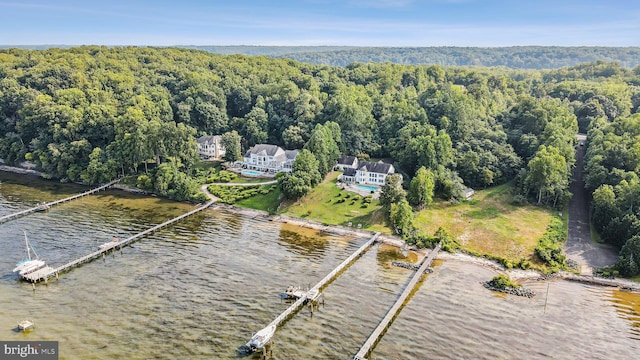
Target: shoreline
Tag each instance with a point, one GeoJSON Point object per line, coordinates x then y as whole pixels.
{"type": "Point", "coordinates": [19, 170]}
{"type": "Point", "coordinates": [341, 230]}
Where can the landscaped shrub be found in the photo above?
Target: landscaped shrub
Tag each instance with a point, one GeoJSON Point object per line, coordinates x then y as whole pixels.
{"type": "Point", "coordinates": [549, 248]}
{"type": "Point", "coordinates": [231, 194]}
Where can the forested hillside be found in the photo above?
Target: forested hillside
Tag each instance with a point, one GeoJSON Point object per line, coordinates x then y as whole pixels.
{"type": "Point", "coordinates": [518, 57]}
{"type": "Point", "coordinates": [91, 113]}
{"type": "Point", "coordinates": [521, 57]}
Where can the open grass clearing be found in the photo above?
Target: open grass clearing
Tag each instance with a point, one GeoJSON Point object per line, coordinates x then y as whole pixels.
{"type": "Point", "coordinates": [490, 224]}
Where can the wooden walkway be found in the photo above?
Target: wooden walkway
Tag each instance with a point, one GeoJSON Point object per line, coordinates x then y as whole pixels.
{"type": "Point", "coordinates": [316, 289]}
{"type": "Point", "coordinates": [41, 207]}
{"type": "Point", "coordinates": [393, 311]}
{"type": "Point", "coordinates": [47, 272]}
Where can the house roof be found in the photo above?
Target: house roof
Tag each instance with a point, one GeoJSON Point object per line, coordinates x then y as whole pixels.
{"type": "Point", "coordinates": [291, 154]}
{"type": "Point", "coordinates": [376, 167]}
{"type": "Point", "coordinates": [349, 172]}
{"type": "Point", "coordinates": [347, 160]}
{"type": "Point", "coordinates": [209, 139]}
{"type": "Point", "coordinates": [265, 150]}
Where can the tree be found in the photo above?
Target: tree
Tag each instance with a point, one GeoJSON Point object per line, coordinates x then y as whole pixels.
{"type": "Point", "coordinates": [421, 188]}
{"type": "Point", "coordinates": [547, 173]}
{"type": "Point", "coordinates": [100, 169]}
{"type": "Point", "coordinates": [322, 144]}
{"type": "Point", "coordinates": [231, 142]}
{"type": "Point", "coordinates": [629, 261]}
{"type": "Point", "coordinates": [392, 191]}
{"type": "Point", "coordinates": [303, 178]}
{"type": "Point", "coordinates": [402, 218]}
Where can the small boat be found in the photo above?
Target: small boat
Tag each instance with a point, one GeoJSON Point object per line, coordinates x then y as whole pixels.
{"type": "Point", "coordinates": [25, 325]}
{"type": "Point", "coordinates": [42, 207]}
{"type": "Point", "coordinates": [261, 338]}
{"type": "Point", "coordinates": [109, 244]}
{"type": "Point", "coordinates": [29, 265]}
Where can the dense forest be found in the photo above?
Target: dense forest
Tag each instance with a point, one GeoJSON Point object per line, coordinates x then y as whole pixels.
{"type": "Point", "coordinates": [93, 113]}
{"type": "Point", "coordinates": [518, 57]}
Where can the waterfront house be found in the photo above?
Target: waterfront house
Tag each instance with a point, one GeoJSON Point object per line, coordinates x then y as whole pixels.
{"type": "Point", "coordinates": [346, 162]}
{"type": "Point", "coordinates": [269, 159]}
{"type": "Point", "coordinates": [210, 147]}
{"type": "Point", "coordinates": [367, 173]}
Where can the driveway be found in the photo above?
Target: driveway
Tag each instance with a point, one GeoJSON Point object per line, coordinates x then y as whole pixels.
{"type": "Point", "coordinates": [579, 247]}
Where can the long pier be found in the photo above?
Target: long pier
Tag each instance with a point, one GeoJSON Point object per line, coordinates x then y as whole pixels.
{"type": "Point", "coordinates": [41, 207]}
{"type": "Point", "coordinates": [391, 314]}
{"type": "Point", "coordinates": [47, 272]}
{"type": "Point", "coordinates": [316, 288]}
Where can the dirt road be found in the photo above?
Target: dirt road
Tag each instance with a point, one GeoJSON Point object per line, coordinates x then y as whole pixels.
{"type": "Point", "coordinates": [579, 246]}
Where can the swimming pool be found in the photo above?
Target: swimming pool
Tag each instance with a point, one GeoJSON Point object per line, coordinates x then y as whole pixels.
{"type": "Point", "coordinates": [367, 188]}
{"type": "Point", "coordinates": [251, 173]}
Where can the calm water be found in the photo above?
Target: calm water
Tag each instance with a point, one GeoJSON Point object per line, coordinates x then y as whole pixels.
{"type": "Point", "coordinates": [200, 288]}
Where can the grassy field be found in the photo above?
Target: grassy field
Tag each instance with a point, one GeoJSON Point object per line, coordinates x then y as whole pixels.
{"type": "Point", "coordinates": [265, 202]}
{"type": "Point", "coordinates": [489, 224]}
{"type": "Point", "coordinates": [324, 204]}
{"type": "Point", "coordinates": [208, 164]}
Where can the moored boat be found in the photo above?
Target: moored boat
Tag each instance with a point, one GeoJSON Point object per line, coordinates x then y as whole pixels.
{"type": "Point", "coordinates": [42, 207]}
{"type": "Point", "coordinates": [28, 264]}
{"type": "Point", "coordinates": [109, 244]}
{"type": "Point", "coordinates": [261, 338]}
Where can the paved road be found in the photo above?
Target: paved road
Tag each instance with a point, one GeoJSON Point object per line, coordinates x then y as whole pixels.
{"type": "Point", "coordinates": [579, 246]}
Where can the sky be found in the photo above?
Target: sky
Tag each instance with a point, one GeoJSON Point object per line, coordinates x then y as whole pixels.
{"type": "Point", "coordinates": [484, 23]}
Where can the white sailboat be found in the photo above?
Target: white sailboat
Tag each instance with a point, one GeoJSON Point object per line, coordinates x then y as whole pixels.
{"type": "Point", "coordinates": [28, 265]}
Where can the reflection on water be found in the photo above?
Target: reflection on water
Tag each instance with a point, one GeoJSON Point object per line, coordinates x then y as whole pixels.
{"type": "Point", "coordinates": [389, 253]}
{"type": "Point", "coordinates": [628, 306]}
{"type": "Point", "coordinates": [201, 287]}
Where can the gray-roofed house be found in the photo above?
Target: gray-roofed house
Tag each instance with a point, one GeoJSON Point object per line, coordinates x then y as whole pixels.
{"type": "Point", "coordinates": [348, 176]}
{"type": "Point", "coordinates": [269, 158]}
{"type": "Point", "coordinates": [373, 173]}
{"type": "Point", "coordinates": [210, 147]}
{"type": "Point", "coordinates": [346, 162]}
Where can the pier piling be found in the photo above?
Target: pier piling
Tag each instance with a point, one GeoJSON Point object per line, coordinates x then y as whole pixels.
{"type": "Point", "coordinates": [395, 308]}
{"type": "Point", "coordinates": [316, 288]}
{"type": "Point", "coordinates": [41, 207]}
{"type": "Point", "coordinates": [46, 272]}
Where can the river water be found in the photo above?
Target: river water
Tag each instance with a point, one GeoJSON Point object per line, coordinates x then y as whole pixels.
{"type": "Point", "coordinates": [201, 287]}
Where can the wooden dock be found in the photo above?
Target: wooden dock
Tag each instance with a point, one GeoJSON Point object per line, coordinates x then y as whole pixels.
{"type": "Point", "coordinates": [47, 272]}
{"type": "Point", "coordinates": [393, 311]}
{"type": "Point", "coordinates": [41, 207]}
{"type": "Point", "coordinates": [315, 290]}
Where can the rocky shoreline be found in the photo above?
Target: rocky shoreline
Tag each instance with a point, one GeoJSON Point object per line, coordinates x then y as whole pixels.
{"type": "Point", "coordinates": [519, 291]}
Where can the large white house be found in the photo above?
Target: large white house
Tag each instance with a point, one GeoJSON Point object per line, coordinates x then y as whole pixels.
{"type": "Point", "coordinates": [367, 173]}
{"type": "Point", "coordinates": [210, 147]}
{"type": "Point", "coordinates": [269, 158]}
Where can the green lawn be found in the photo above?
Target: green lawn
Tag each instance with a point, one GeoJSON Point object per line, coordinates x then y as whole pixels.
{"type": "Point", "coordinates": [208, 164]}
{"type": "Point", "coordinates": [265, 202]}
{"type": "Point", "coordinates": [489, 224]}
{"type": "Point", "coordinates": [249, 180]}
{"type": "Point", "coordinates": [324, 204]}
